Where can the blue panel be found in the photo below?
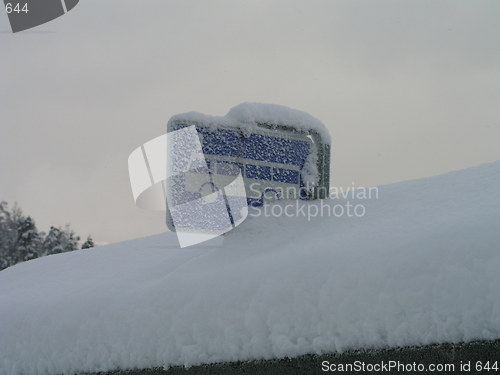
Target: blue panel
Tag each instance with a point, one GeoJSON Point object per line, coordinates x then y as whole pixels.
{"type": "Point", "coordinates": [275, 149]}
{"type": "Point", "coordinates": [258, 172]}
{"type": "Point", "coordinates": [228, 168]}
{"type": "Point", "coordinates": [232, 143]}
{"type": "Point", "coordinates": [221, 142]}
{"type": "Point", "coordinates": [286, 175]}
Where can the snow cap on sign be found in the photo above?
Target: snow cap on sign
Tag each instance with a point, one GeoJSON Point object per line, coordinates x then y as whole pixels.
{"type": "Point", "coordinates": [250, 114]}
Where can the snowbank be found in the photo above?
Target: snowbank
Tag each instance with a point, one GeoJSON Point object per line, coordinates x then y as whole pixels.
{"type": "Point", "coordinates": [247, 115]}
{"type": "Point", "coordinates": [420, 267]}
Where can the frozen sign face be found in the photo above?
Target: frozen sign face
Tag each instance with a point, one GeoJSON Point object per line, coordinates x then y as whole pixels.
{"type": "Point", "coordinates": [171, 171]}
{"type": "Point", "coordinates": [206, 170]}
{"type": "Point", "coordinates": [275, 162]}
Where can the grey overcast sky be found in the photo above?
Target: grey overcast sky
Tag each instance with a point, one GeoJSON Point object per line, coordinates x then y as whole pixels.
{"type": "Point", "coordinates": [407, 88]}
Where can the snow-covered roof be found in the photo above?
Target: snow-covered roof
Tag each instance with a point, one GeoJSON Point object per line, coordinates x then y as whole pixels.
{"type": "Point", "coordinates": [251, 114]}
{"type": "Point", "coordinates": [420, 267]}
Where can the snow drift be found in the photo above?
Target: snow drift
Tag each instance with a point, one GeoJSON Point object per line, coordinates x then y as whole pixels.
{"type": "Point", "coordinates": [421, 267]}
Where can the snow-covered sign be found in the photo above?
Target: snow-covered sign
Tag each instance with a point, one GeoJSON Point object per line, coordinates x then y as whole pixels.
{"type": "Point", "coordinates": [279, 152]}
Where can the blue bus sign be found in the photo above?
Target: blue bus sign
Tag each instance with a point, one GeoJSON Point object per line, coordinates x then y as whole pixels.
{"type": "Point", "coordinates": [273, 161]}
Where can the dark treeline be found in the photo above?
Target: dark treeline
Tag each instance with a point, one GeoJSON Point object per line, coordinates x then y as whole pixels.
{"type": "Point", "coordinates": [20, 240]}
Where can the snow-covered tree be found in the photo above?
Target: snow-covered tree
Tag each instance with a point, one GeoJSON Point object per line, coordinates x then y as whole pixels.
{"type": "Point", "coordinates": [20, 240]}
{"type": "Point", "coordinates": [71, 240]}
{"type": "Point", "coordinates": [28, 244]}
{"type": "Point", "coordinates": [52, 242]}
{"type": "Point", "coordinates": [88, 243]}
{"type": "Point", "coordinates": [7, 235]}
{"type": "Point", "coordinates": [10, 222]}
{"type": "Point", "coordinates": [60, 240]}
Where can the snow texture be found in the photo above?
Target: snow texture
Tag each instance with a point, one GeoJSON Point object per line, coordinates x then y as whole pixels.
{"type": "Point", "coordinates": [248, 115]}
{"type": "Point", "coordinates": [420, 267]}
{"type": "Point", "coordinates": [310, 173]}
